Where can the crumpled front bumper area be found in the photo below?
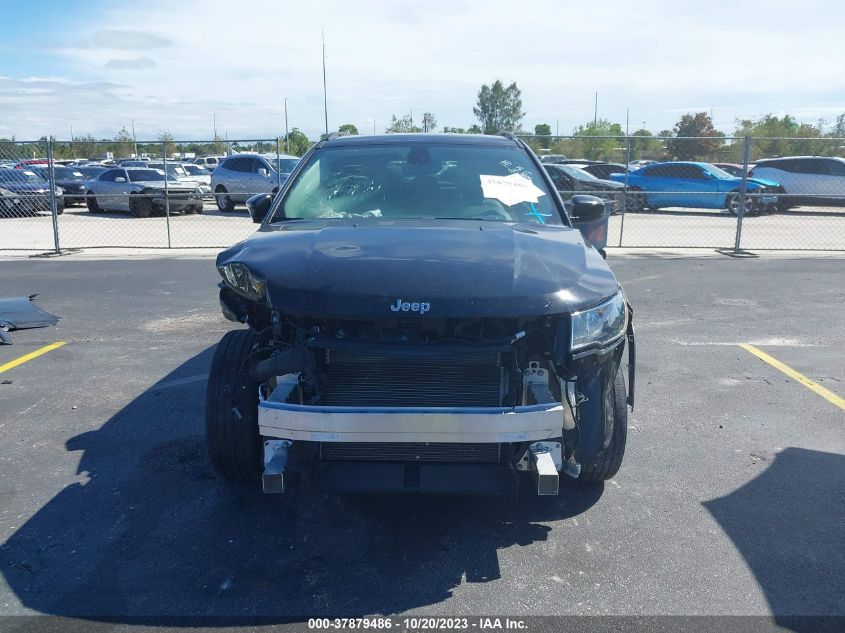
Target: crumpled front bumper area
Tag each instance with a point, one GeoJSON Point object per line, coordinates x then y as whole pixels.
{"type": "Point", "coordinates": [467, 450]}
{"type": "Point", "coordinates": [401, 424]}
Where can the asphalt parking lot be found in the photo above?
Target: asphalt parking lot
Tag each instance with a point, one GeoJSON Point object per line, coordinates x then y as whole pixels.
{"type": "Point", "coordinates": [803, 228]}
{"type": "Point", "coordinates": [731, 499]}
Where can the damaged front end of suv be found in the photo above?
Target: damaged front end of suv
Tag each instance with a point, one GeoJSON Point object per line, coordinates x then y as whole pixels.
{"type": "Point", "coordinates": [421, 317]}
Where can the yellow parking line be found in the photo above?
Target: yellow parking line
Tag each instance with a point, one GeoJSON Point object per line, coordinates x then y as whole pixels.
{"type": "Point", "coordinates": [26, 357]}
{"type": "Point", "coordinates": [801, 378]}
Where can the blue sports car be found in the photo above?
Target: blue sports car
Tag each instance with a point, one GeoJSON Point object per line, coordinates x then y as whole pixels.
{"type": "Point", "coordinates": [697, 185]}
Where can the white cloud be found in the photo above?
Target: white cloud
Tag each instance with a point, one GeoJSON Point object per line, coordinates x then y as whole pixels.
{"type": "Point", "coordinates": [118, 39]}
{"type": "Point", "coordinates": [130, 64]}
{"type": "Point", "coordinates": [395, 56]}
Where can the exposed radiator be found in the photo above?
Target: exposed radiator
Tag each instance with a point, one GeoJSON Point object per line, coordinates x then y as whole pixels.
{"type": "Point", "coordinates": [456, 381]}
{"type": "Point", "coordinates": [409, 452]}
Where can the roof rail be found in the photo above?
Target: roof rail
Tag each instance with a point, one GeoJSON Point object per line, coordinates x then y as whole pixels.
{"type": "Point", "coordinates": [332, 136]}
{"type": "Point", "coordinates": [508, 135]}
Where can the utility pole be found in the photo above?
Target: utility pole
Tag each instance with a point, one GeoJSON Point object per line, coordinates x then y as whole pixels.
{"type": "Point", "coordinates": [325, 97]}
{"type": "Point", "coordinates": [287, 151]}
{"type": "Point", "coordinates": [557, 127]}
{"type": "Point", "coordinates": [214, 124]}
{"type": "Point", "coordinates": [134, 140]}
{"type": "Point", "coordinates": [72, 155]}
{"type": "Point", "coordinates": [596, 110]}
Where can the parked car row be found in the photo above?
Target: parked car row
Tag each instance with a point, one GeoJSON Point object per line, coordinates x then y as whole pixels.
{"type": "Point", "coordinates": [771, 184]}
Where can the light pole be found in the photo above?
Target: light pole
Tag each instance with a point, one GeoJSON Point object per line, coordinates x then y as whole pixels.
{"type": "Point", "coordinates": [134, 140]}
{"type": "Point", "coordinates": [596, 110]}
{"type": "Point", "coordinates": [325, 97]}
{"type": "Point", "coordinates": [286, 126]}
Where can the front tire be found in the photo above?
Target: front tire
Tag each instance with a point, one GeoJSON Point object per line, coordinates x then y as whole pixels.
{"type": "Point", "coordinates": [224, 200]}
{"type": "Point", "coordinates": [231, 410]}
{"type": "Point", "coordinates": [733, 204]}
{"type": "Point", "coordinates": [635, 200]}
{"type": "Point", "coordinates": [606, 464]}
{"type": "Point", "coordinates": [91, 203]}
{"type": "Point", "coordinates": [140, 207]}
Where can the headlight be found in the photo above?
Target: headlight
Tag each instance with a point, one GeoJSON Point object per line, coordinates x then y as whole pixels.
{"type": "Point", "coordinates": [240, 278]}
{"type": "Point", "coordinates": [600, 325]}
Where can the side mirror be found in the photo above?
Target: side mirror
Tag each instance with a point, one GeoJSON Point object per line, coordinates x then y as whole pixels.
{"type": "Point", "coordinates": [120, 179]}
{"type": "Point", "coordinates": [258, 206]}
{"type": "Point", "coordinates": [586, 209]}
{"type": "Point", "coordinates": [263, 172]}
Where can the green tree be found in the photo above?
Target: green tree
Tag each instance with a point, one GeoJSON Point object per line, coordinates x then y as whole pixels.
{"type": "Point", "coordinates": [429, 122]}
{"type": "Point", "coordinates": [598, 140]}
{"type": "Point", "coordinates": [475, 129]}
{"type": "Point", "coordinates": [499, 109]}
{"type": "Point", "coordinates": [166, 138]}
{"type": "Point", "coordinates": [124, 145]}
{"type": "Point", "coordinates": [348, 128]}
{"type": "Point", "coordinates": [404, 124]}
{"type": "Point", "coordinates": [543, 129]}
{"type": "Point", "coordinates": [296, 142]}
{"type": "Point", "coordinates": [644, 145]}
{"type": "Point", "coordinates": [695, 138]}
{"type": "Point", "coordinates": [454, 130]}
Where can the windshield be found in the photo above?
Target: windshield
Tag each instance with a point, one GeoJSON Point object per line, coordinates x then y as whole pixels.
{"type": "Point", "coordinates": [18, 175]}
{"type": "Point", "coordinates": [718, 171]}
{"type": "Point", "coordinates": [196, 170]}
{"type": "Point", "coordinates": [92, 172]}
{"type": "Point", "coordinates": [146, 175]}
{"type": "Point", "coordinates": [286, 165]}
{"type": "Point", "coordinates": [420, 180]}
{"type": "Point", "coordinates": [576, 172]}
{"type": "Point", "coordinates": [62, 173]}
{"type": "Point", "coordinates": [174, 170]}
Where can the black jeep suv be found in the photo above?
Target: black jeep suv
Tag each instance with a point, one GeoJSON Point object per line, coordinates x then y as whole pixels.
{"type": "Point", "coordinates": [421, 316]}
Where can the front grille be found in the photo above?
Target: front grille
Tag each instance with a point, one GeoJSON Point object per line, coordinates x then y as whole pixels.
{"type": "Point", "coordinates": [455, 381]}
{"type": "Point", "coordinates": [409, 452]}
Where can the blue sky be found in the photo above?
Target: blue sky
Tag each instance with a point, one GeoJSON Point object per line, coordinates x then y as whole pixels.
{"type": "Point", "coordinates": [99, 65]}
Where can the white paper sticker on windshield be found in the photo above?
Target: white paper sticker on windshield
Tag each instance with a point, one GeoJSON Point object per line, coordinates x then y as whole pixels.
{"type": "Point", "coordinates": [510, 190]}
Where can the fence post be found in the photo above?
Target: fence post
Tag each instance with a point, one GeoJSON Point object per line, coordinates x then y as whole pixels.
{"type": "Point", "coordinates": [742, 193]}
{"type": "Point", "coordinates": [625, 205]}
{"type": "Point", "coordinates": [54, 208]}
{"type": "Point", "coordinates": [166, 193]}
{"type": "Point", "coordinates": [278, 163]}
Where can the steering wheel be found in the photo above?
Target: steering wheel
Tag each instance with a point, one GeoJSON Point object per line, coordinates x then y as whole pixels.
{"type": "Point", "coordinates": [495, 210]}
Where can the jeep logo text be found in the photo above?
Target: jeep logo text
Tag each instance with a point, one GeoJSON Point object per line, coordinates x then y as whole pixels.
{"type": "Point", "coordinates": [404, 306]}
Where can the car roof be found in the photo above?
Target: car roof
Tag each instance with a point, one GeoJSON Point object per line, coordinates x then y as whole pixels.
{"type": "Point", "coordinates": [421, 137]}
{"type": "Point", "coordinates": [765, 160]}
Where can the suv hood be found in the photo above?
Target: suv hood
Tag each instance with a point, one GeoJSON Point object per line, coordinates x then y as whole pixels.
{"type": "Point", "coordinates": [462, 268]}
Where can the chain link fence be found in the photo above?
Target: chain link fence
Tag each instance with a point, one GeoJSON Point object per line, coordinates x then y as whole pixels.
{"type": "Point", "coordinates": [666, 192]}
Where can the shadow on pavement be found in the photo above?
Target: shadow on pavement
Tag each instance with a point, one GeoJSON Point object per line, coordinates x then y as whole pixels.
{"type": "Point", "coordinates": [153, 534]}
{"type": "Point", "coordinates": [789, 525]}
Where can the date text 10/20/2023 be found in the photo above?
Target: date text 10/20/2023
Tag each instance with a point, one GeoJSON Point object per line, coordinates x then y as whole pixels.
{"type": "Point", "coordinates": [419, 623]}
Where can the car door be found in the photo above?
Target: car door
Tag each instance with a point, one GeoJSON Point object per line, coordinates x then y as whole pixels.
{"type": "Point", "coordinates": [701, 188]}
{"type": "Point", "coordinates": [828, 177]}
{"type": "Point", "coordinates": [121, 191]}
{"type": "Point", "coordinates": [658, 181]}
{"type": "Point", "coordinates": [258, 182]}
{"type": "Point", "coordinates": [235, 178]}
{"type": "Point", "coordinates": [105, 189]}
